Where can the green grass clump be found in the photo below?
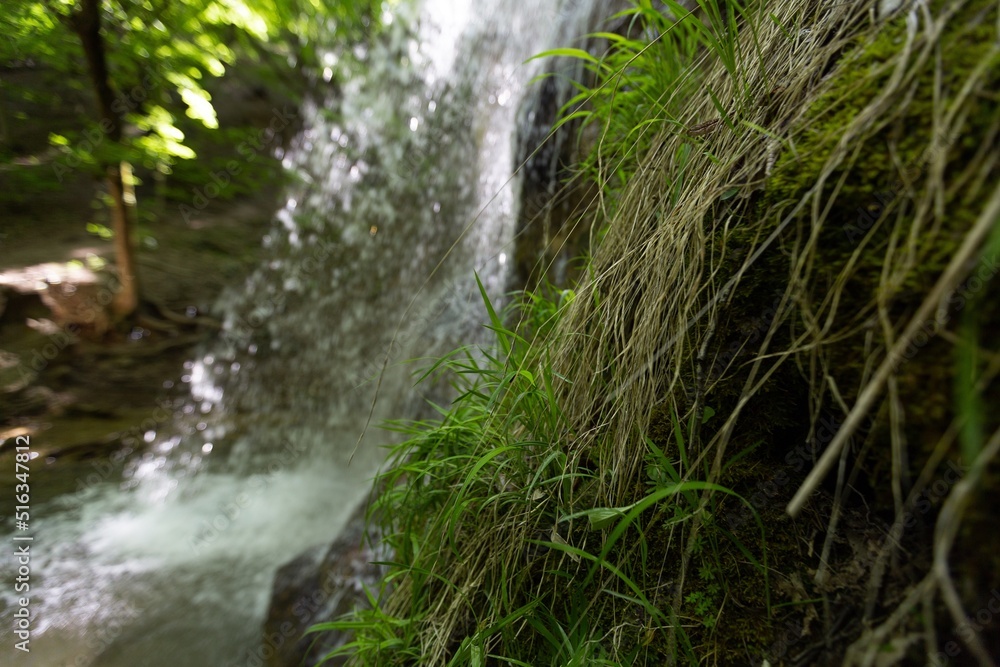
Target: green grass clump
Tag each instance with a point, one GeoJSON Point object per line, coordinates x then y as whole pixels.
{"type": "Point", "coordinates": [500, 547]}
{"type": "Point", "coordinates": [648, 76]}
{"type": "Point", "coordinates": [456, 494]}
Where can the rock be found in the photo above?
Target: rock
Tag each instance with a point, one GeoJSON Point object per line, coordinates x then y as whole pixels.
{"type": "Point", "coordinates": [77, 297]}
{"type": "Point", "coordinates": [317, 586]}
{"type": "Point", "coordinates": [29, 401]}
{"type": "Point", "coordinates": [14, 375]}
{"type": "Point", "coordinates": [80, 307]}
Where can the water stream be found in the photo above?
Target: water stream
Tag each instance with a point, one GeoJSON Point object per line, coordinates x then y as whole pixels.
{"type": "Point", "coordinates": [411, 164]}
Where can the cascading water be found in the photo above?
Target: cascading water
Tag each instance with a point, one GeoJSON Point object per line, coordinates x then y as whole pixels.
{"type": "Point", "coordinates": [173, 565]}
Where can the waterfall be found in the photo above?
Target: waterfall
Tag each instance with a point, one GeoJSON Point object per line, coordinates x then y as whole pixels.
{"type": "Point", "coordinates": [403, 191]}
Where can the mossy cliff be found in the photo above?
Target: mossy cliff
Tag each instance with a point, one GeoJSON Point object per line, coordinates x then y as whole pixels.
{"type": "Point", "coordinates": [762, 429]}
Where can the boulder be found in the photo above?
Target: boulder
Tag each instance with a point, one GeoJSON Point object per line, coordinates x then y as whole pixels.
{"type": "Point", "coordinates": [81, 307]}
{"type": "Point", "coordinates": [318, 586]}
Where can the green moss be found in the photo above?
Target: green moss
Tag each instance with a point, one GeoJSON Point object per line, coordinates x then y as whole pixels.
{"type": "Point", "coordinates": [891, 164]}
{"type": "Point", "coordinates": [882, 178]}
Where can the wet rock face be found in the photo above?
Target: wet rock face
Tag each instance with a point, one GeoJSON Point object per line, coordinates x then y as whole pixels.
{"type": "Point", "coordinates": [318, 586]}
{"type": "Point", "coordinates": [552, 226]}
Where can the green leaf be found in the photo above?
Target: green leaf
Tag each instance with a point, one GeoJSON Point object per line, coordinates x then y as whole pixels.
{"type": "Point", "coordinates": [503, 337]}
{"type": "Point", "coordinates": [599, 517]}
{"type": "Point", "coordinates": [708, 414]}
{"type": "Point", "coordinates": [602, 517]}
{"type": "Point", "coordinates": [567, 52]}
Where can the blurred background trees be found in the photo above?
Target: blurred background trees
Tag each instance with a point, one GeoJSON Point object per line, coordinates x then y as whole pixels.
{"type": "Point", "coordinates": [147, 67]}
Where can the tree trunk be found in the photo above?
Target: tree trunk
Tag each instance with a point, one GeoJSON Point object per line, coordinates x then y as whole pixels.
{"type": "Point", "coordinates": [127, 297]}
{"type": "Point", "coordinates": [4, 135]}
{"type": "Point", "coordinates": [86, 23]}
